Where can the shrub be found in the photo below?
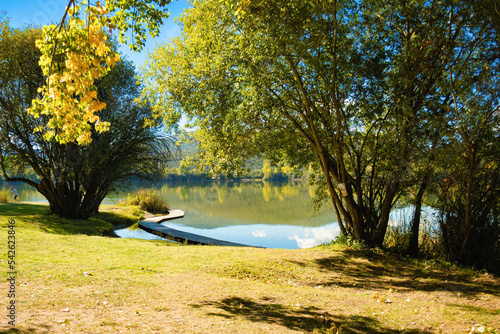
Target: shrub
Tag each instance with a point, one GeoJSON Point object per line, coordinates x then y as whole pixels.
{"type": "Point", "coordinates": [350, 241]}
{"type": "Point", "coordinates": [149, 201]}
{"type": "Point", "coordinates": [4, 195]}
{"type": "Point", "coordinates": [398, 234]}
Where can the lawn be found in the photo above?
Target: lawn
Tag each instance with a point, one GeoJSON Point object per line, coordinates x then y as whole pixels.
{"type": "Point", "coordinates": [73, 277]}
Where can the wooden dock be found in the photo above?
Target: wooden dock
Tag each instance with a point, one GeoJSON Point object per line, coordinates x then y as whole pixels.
{"type": "Point", "coordinates": [153, 225]}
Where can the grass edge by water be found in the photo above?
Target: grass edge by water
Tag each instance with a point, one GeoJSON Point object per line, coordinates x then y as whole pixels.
{"type": "Point", "coordinates": [78, 268]}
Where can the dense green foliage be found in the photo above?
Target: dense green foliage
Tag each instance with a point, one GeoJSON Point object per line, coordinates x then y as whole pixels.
{"type": "Point", "coordinates": [386, 99]}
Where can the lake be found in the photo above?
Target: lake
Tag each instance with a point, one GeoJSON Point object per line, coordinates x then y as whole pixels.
{"type": "Point", "coordinates": [274, 215]}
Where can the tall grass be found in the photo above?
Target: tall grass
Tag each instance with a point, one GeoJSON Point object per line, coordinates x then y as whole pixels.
{"type": "Point", "coordinates": [149, 201]}
{"type": "Point", "coordinates": [4, 195]}
{"type": "Point", "coordinates": [398, 234]}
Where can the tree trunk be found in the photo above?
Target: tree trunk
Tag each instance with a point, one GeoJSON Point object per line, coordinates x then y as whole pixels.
{"type": "Point", "coordinates": [64, 200]}
{"type": "Point", "coordinates": [385, 211]}
{"type": "Point", "coordinates": [415, 225]}
{"type": "Point", "coordinates": [464, 253]}
{"type": "Point", "coordinates": [358, 223]}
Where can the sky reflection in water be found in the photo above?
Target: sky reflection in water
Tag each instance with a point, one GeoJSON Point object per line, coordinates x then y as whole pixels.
{"type": "Point", "coordinates": [255, 213]}
{"type": "Point", "coordinates": [271, 236]}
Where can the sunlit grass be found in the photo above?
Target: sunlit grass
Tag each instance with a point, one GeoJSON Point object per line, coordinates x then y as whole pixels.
{"type": "Point", "coordinates": [71, 280]}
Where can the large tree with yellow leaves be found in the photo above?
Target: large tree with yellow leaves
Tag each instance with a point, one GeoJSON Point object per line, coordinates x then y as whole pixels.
{"type": "Point", "coordinates": [74, 178]}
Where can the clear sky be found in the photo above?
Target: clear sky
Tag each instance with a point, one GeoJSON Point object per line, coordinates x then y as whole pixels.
{"type": "Point", "coordinates": [40, 12]}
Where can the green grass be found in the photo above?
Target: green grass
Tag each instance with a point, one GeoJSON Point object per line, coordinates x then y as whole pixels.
{"type": "Point", "coordinates": [40, 216]}
{"type": "Point", "coordinates": [73, 280]}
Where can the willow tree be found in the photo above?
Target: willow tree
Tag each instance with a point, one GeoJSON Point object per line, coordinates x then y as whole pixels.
{"type": "Point", "coordinates": [348, 85]}
{"type": "Point", "coordinates": [74, 179]}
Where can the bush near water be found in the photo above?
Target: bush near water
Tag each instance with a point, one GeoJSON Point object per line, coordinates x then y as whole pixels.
{"type": "Point", "coordinates": [4, 195]}
{"type": "Point", "coordinates": [149, 201]}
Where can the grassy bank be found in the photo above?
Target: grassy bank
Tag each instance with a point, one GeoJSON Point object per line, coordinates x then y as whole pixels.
{"type": "Point", "coordinates": [72, 278]}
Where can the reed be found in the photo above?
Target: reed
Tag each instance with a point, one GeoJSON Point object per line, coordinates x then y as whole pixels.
{"type": "Point", "coordinates": [4, 195]}
{"type": "Point", "coordinates": [149, 201]}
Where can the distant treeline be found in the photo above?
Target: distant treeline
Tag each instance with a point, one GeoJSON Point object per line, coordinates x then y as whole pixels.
{"type": "Point", "coordinates": [257, 169]}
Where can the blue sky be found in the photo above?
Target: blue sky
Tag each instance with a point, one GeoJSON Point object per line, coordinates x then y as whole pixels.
{"type": "Point", "coordinates": [40, 12]}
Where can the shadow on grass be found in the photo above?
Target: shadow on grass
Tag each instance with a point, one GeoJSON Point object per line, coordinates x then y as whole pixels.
{"type": "Point", "coordinates": [370, 270]}
{"type": "Point", "coordinates": [13, 210]}
{"type": "Point", "coordinates": [16, 330]}
{"type": "Point", "coordinates": [299, 319]}
{"type": "Point", "coordinates": [476, 309]}
{"type": "Point", "coordinates": [102, 224]}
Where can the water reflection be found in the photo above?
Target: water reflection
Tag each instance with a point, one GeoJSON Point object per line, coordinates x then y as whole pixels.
{"type": "Point", "coordinates": [276, 215]}
{"type": "Point", "coordinates": [272, 215]}
{"type": "Point", "coordinates": [137, 234]}
{"type": "Point", "coordinates": [271, 236]}
{"type": "Point", "coordinates": [245, 203]}
{"type": "Point", "coordinates": [317, 236]}
{"type": "Point", "coordinates": [26, 192]}
{"type": "Point", "coordinates": [259, 233]}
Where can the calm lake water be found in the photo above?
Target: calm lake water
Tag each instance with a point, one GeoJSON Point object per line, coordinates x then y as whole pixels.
{"type": "Point", "coordinates": [275, 215]}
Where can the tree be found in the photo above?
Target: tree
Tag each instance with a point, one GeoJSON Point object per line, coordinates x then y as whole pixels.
{"type": "Point", "coordinates": [470, 192]}
{"type": "Point", "coordinates": [429, 40]}
{"type": "Point", "coordinates": [352, 86]}
{"type": "Point", "coordinates": [268, 82]}
{"type": "Point", "coordinates": [74, 179]}
{"type": "Point", "coordinates": [449, 70]}
{"type": "Point", "coordinates": [71, 60]}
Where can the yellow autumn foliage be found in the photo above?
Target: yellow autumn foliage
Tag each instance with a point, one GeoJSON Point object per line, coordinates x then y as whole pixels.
{"type": "Point", "coordinates": [69, 98]}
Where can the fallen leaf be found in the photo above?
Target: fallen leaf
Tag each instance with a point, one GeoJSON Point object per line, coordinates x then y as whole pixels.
{"type": "Point", "coordinates": [477, 328]}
